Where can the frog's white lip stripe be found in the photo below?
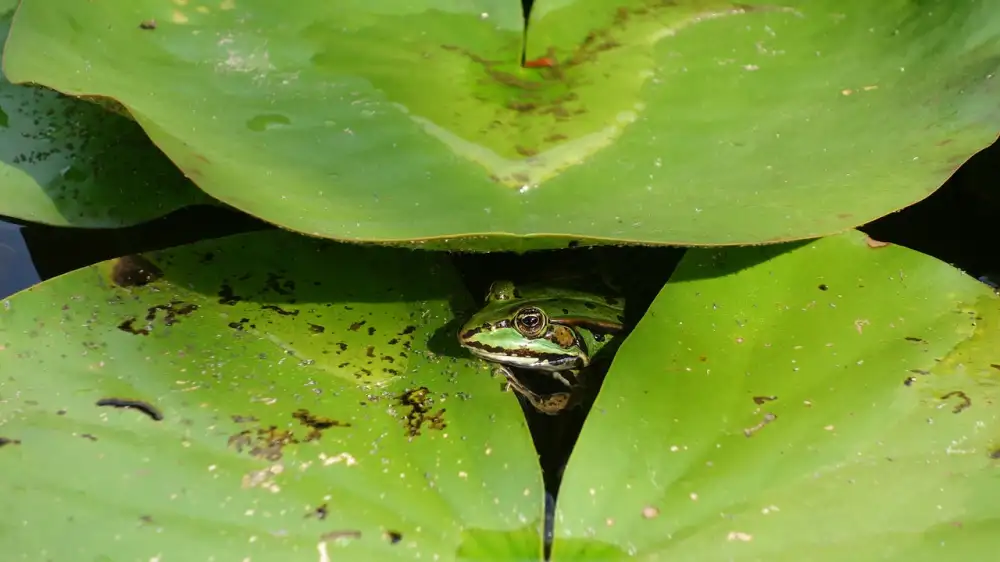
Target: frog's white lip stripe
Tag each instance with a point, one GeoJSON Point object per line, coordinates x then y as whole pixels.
{"type": "Point", "coordinates": [545, 362]}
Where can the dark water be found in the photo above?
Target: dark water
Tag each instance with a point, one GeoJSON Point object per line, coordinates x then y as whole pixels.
{"type": "Point", "coordinates": [16, 269]}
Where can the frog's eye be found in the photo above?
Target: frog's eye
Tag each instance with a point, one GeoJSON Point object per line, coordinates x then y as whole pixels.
{"type": "Point", "coordinates": [531, 322]}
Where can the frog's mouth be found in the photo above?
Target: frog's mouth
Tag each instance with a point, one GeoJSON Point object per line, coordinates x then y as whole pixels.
{"type": "Point", "coordinates": [525, 358]}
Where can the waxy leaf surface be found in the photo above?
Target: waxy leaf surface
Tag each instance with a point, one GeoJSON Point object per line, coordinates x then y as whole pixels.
{"type": "Point", "coordinates": [265, 397]}
{"type": "Point", "coordinates": [67, 162]}
{"type": "Point", "coordinates": [697, 122]}
{"type": "Point", "coordinates": [825, 401]}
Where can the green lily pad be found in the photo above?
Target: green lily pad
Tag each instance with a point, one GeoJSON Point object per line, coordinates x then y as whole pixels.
{"type": "Point", "coordinates": [828, 401]}
{"type": "Point", "coordinates": [66, 162]}
{"type": "Point", "coordinates": [261, 396]}
{"type": "Point", "coordinates": [697, 122]}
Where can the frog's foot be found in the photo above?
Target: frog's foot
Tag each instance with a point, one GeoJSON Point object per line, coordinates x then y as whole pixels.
{"type": "Point", "coordinates": [550, 404]}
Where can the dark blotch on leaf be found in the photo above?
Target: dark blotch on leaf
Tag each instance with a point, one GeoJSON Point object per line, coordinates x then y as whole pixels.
{"type": "Point", "coordinates": [316, 328]}
{"type": "Point", "coordinates": [995, 454]}
{"type": "Point", "coordinates": [909, 381]}
{"type": "Point", "coordinates": [88, 437]}
{"type": "Point", "coordinates": [148, 25]}
{"type": "Point", "coordinates": [278, 285]}
{"type": "Point", "coordinates": [408, 330]}
{"type": "Point", "coordinates": [4, 441]}
{"type": "Point", "coordinates": [995, 366]}
{"type": "Point", "coordinates": [393, 536]}
{"type": "Point", "coordinates": [421, 403]}
{"type": "Point", "coordinates": [134, 271]}
{"type": "Point", "coordinates": [963, 404]}
{"type": "Point", "coordinates": [227, 296]}
{"type": "Point", "coordinates": [915, 339]}
{"type": "Point", "coordinates": [371, 331]}
{"type": "Point", "coordinates": [128, 325]}
{"type": "Point", "coordinates": [172, 309]}
{"type": "Point", "coordinates": [316, 424]}
{"type": "Point", "coordinates": [762, 399]}
{"type": "Point", "coordinates": [357, 326]}
{"type": "Point", "coordinates": [144, 407]}
{"type": "Point", "coordinates": [319, 513]}
{"type": "Point", "coordinates": [823, 287]}
{"type": "Point", "coordinates": [280, 310]}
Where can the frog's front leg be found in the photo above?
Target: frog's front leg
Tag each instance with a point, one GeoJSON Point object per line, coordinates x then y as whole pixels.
{"type": "Point", "coordinates": [559, 377]}
{"type": "Point", "coordinates": [551, 404]}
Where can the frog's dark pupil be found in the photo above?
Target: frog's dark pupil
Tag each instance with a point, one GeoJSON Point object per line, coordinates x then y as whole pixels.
{"type": "Point", "coordinates": [530, 320]}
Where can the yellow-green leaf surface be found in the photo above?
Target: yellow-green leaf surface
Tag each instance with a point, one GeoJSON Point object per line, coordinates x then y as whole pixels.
{"type": "Point", "coordinates": [67, 162]}
{"type": "Point", "coordinates": [691, 122]}
{"type": "Point", "coordinates": [824, 401]}
{"type": "Point", "coordinates": [260, 397]}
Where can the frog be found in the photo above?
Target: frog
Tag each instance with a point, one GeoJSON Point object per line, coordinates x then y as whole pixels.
{"type": "Point", "coordinates": [550, 331]}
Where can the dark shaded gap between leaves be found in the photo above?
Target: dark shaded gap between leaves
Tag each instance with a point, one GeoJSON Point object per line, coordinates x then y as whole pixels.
{"type": "Point", "coordinates": [526, 6]}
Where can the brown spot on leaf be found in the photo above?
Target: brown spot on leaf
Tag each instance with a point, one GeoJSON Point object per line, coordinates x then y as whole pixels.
{"type": "Point", "coordinates": [227, 296]}
{"type": "Point", "coordinates": [148, 25]}
{"type": "Point", "coordinates": [128, 325]}
{"type": "Point", "coordinates": [421, 403]}
{"type": "Point", "coordinates": [279, 285]}
{"type": "Point", "coordinates": [762, 399]}
{"type": "Point", "coordinates": [4, 441]}
{"type": "Point", "coordinates": [280, 310]}
{"type": "Point", "coordinates": [964, 400]}
{"type": "Point", "coordinates": [172, 311]}
{"type": "Point", "coordinates": [265, 443]}
{"type": "Point", "coordinates": [316, 423]}
{"type": "Point", "coordinates": [357, 326]}
{"type": "Point", "coordinates": [393, 536]}
{"type": "Point", "coordinates": [134, 271]}
{"type": "Point", "coordinates": [319, 513]}
{"type": "Point", "coordinates": [140, 405]}
{"type": "Point", "coordinates": [344, 534]}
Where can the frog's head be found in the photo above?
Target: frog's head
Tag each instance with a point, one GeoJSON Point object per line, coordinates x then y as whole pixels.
{"type": "Point", "coordinates": [517, 332]}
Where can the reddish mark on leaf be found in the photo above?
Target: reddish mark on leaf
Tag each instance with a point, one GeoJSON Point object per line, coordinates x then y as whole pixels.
{"type": "Point", "coordinates": [540, 62]}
